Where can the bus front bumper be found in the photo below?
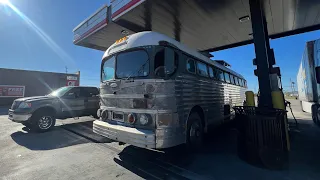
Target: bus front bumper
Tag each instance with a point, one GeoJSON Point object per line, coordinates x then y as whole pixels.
{"type": "Point", "coordinates": [137, 137]}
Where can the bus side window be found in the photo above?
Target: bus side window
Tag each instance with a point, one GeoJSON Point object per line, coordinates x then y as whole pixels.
{"type": "Point", "coordinates": [191, 66]}
{"type": "Point", "coordinates": [232, 79]}
{"type": "Point", "coordinates": [202, 69]}
{"type": "Point", "coordinates": [211, 73]}
{"type": "Point", "coordinates": [227, 77]}
{"type": "Point", "coordinates": [220, 75]}
{"type": "Point", "coordinates": [236, 79]}
{"type": "Point", "coordinates": [216, 74]}
{"type": "Point", "coordinates": [241, 82]}
{"type": "Point", "coordinates": [159, 63]}
{"type": "Point", "coordinates": [165, 62]}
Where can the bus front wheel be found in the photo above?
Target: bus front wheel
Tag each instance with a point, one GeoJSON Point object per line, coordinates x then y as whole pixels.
{"type": "Point", "coordinates": [194, 132]}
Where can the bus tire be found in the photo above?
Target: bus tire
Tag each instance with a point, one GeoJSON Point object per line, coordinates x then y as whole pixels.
{"type": "Point", "coordinates": [195, 132]}
{"type": "Point", "coordinates": [315, 113]}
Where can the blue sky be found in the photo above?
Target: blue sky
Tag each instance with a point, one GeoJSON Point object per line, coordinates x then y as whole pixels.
{"type": "Point", "coordinates": [22, 48]}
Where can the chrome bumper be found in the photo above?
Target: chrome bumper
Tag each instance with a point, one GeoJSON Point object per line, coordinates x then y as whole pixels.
{"type": "Point", "coordinates": [158, 139]}
{"type": "Point", "coordinates": [18, 117]}
{"type": "Point", "coordinates": [136, 137]}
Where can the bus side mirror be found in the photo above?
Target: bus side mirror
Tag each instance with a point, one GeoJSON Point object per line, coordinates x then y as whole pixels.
{"type": "Point", "coordinates": [169, 60]}
{"type": "Point", "coordinates": [318, 74]}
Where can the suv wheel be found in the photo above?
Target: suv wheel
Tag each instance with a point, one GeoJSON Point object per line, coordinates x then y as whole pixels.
{"type": "Point", "coordinates": [43, 121]}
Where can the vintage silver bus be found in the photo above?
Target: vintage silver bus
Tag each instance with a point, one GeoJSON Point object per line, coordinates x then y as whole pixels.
{"type": "Point", "coordinates": [157, 93]}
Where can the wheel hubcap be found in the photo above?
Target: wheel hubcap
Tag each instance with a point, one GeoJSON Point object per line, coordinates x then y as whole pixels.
{"type": "Point", "coordinates": [45, 122]}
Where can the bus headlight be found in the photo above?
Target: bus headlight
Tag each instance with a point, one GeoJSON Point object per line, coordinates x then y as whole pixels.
{"type": "Point", "coordinates": [144, 119]}
{"type": "Point", "coordinates": [104, 115]}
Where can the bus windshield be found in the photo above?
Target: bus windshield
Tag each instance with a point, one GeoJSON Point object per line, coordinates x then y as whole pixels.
{"type": "Point", "coordinates": [126, 65]}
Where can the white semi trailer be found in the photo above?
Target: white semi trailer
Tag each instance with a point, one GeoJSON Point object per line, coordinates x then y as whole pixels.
{"type": "Point", "coordinates": [308, 79]}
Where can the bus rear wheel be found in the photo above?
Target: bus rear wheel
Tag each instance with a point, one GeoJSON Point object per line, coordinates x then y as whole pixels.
{"type": "Point", "coordinates": [195, 132]}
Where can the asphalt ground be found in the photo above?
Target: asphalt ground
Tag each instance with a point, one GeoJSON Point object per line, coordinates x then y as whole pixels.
{"type": "Point", "coordinates": [72, 151]}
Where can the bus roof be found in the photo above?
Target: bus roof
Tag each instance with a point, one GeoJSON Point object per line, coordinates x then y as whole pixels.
{"type": "Point", "coordinates": [149, 38]}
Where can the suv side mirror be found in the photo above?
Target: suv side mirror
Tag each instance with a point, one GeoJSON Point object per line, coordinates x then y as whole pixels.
{"type": "Point", "coordinates": [317, 69]}
{"type": "Point", "coordinates": [169, 60]}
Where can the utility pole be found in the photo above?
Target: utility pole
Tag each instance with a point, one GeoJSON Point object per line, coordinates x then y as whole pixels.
{"type": "Point", "coordinates": [66, 69]}
{"type": "Point", "coordinates": [292, 86]}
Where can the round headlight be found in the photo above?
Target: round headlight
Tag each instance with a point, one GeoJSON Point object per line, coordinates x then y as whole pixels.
{"type": "Point", "coordinates": [104, 115]}
{"type": "Point", "coordinates": [131, 118]}
{"type": "Point", "coordinates": [143, 119]}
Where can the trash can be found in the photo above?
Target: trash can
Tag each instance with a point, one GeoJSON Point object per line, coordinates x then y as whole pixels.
{"type": "Point", "coordinates": [263, 138]}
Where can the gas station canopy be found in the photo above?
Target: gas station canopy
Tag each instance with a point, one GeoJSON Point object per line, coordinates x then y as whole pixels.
{"type": "Point", "coordinates": [205, 25]}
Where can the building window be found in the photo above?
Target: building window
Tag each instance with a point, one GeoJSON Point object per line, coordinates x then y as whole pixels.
{"type": "Point", "coordinates": [202, 69]}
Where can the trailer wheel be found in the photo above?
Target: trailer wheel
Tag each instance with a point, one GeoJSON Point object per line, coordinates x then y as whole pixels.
{"type": "Point", "coordinates": [194, 132]}
{"type": "Point", "coordinates": [315, 113]}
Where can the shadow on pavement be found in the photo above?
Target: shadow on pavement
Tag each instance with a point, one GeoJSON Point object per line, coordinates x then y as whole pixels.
{"type": "Point", "coordinates": [54, 139]}
{"type": "Point", "coordinates": [219, 158]}
{"type": "Point", "coordinates": [150, 164]}
{"type": "Point", "coordinates": [59, 137]}
{"type": "Point", "coordinates": [84, 129]}
{"type": "Point", "coordinates": [176, 162]}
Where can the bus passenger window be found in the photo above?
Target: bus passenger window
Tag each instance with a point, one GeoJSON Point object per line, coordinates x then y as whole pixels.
{"type": "Point", "coordinates": [236, 80]}
{"type": "Point", "coordinates": [159, 64]}
{"type": "Point", "coordinates": [232, 79]}
{"type": "Point", "coordinates": [211, 73]}
{"type": "Point", "coordinates": [220, 75]}
{"type": "Point", "coordinates": [227, 77]}
{"type": "Point", "coordinates": [241, 82]}
{"type": "Point", "coordinates": [191, 66]}
{"type": "Point", "coordinates": [202, 69]}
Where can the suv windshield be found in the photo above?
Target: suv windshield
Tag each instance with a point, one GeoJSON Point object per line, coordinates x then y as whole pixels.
{"type": "Point", "coordinates": [128, 64]}
{"type": "Point", "coordinates": [60, 92]}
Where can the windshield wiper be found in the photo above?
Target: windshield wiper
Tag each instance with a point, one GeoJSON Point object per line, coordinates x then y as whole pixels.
{"type": "Point", "coordinates": [139, 70]}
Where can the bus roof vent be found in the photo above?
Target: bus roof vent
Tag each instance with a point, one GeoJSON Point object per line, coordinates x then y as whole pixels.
{"type": "Point", "coordinates": [223, 63]}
